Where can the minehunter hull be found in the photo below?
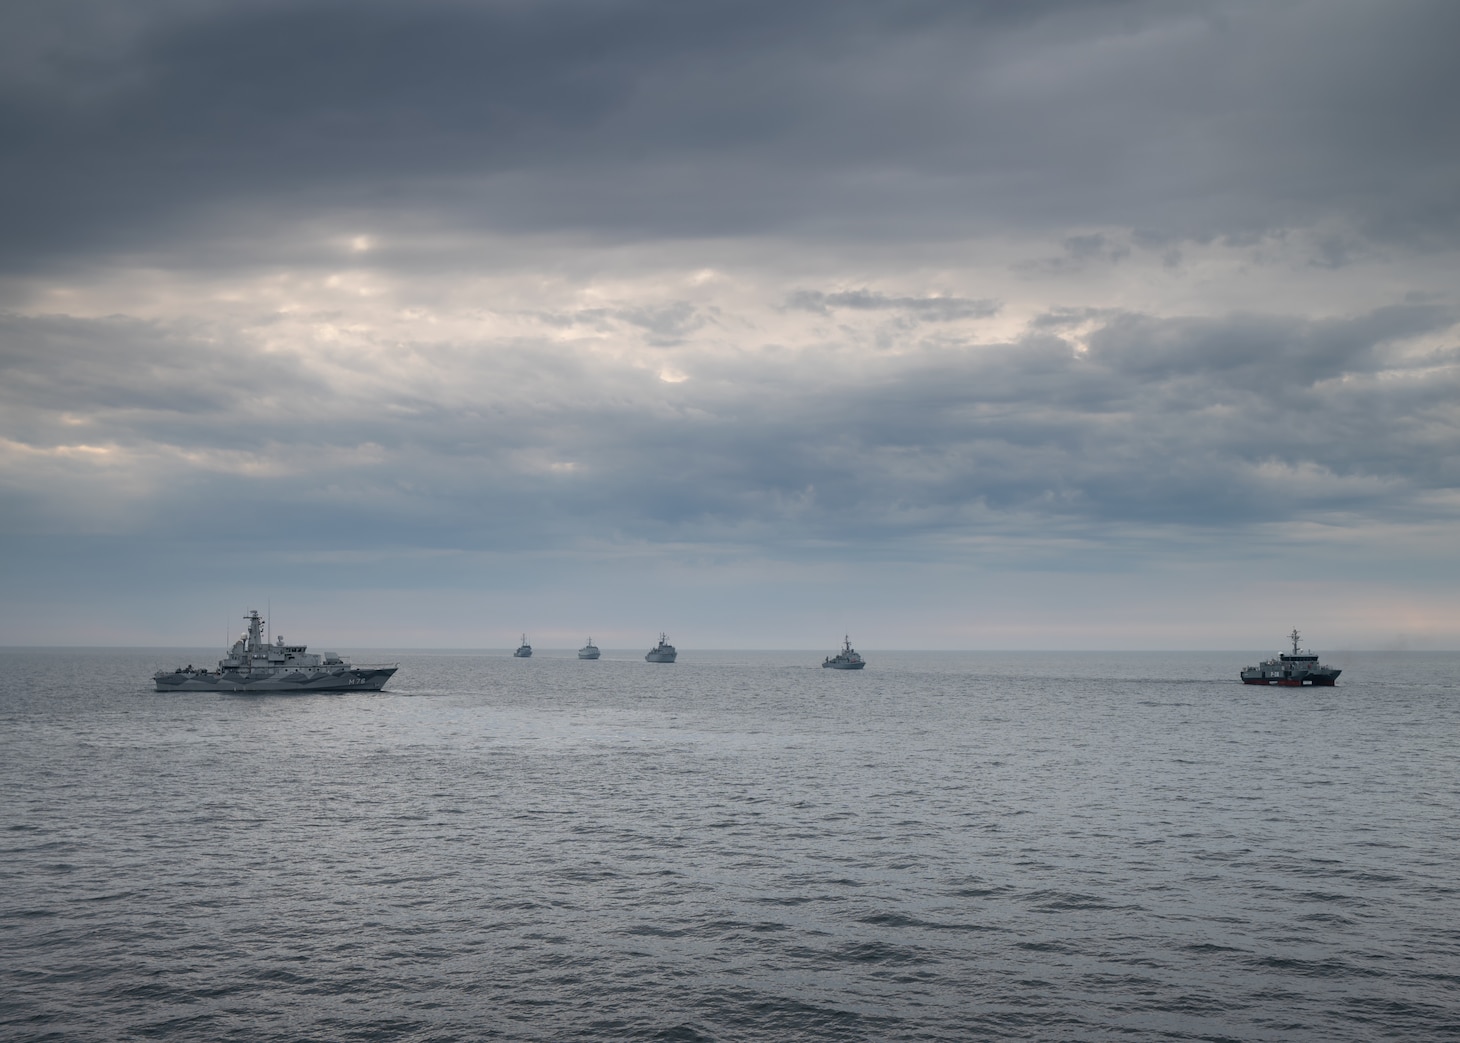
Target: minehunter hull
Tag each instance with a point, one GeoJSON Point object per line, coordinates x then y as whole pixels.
{"type": "Point", "coordinates": [1295, 682]}
{"type": "Point", "coordinates": [358, 679]}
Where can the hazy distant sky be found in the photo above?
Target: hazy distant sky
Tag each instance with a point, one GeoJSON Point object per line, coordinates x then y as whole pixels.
{"type": "Point", "coordinates": [1050, 324]}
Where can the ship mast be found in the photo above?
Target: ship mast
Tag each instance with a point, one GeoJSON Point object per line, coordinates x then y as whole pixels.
{"type": "Point", "coordinates": [1294, 636]}
{"type": "Point", "coordinates": [255, 636]}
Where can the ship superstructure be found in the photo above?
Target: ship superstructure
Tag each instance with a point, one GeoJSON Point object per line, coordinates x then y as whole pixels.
{"type": "Point", "coordinates": [1293, 671]}
{"type": "Point", "coordinates": [254, 664]}
{"type": "Point", "coordinates": [663, 652]}
{"type": "Point", "coordinates": [846, 659]}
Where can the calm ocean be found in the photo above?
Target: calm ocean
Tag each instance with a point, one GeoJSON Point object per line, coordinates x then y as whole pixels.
{"type": "Point", "coordinates": [736, 847]}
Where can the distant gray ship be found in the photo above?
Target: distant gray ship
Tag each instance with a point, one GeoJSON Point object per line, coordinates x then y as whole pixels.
{"type": "Point", "coordinates": [663, 652]}
{"type": "Point", "coordinates": [524, 650]}
{"type": "Point", "coordinates": [588, 651]}
{"type": "Point", "coordinates": [1293, 671]}
{"type": "Point", "coordinates": [846, 659]}
{"type": "Point", "coordinates": [254, 665]}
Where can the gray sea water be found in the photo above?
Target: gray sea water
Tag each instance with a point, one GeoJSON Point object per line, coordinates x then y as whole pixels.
{"type": "Point", "coordinates": [740, 846]}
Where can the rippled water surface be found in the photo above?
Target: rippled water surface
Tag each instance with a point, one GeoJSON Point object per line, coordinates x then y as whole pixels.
{"type": "Point", "coordinates": [735, 847]}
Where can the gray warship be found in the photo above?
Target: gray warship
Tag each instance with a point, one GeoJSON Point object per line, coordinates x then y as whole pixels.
{"type": "Point", "coordinates": [254, 665]}
{"type": "Point", "coordinates": [588, 651]}
{"type": "Point", "coordinates": [846, 659]}
{"type": "Point", "coordinates": [663, 652]}
{"type": "Point", "coordinates": [524, 650]}
{"type": "Point", "coordinates": [1292, 671]}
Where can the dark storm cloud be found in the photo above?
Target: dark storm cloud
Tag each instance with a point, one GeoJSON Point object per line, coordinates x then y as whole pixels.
{"type": "Point", "coordinates": [647, 118]}
{"type": "Point", "coordinates": [1081, 251]}
{"type": "Point", "coordinates": [1200, 423]}
{"type": "Point", "coordinates": [665, 324]}
{"type": "Point", "coordinates": [934, 309]}
{"type": "Point", "coordinates": [1039, 429]}
{"type": "Point", "coordinates": [51, 364]}
{"type": "Point", "coordinates": [1260, 354]}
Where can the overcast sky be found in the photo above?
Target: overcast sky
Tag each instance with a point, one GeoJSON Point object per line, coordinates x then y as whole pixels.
{"type": "Point", "coordinates": [978, 324]}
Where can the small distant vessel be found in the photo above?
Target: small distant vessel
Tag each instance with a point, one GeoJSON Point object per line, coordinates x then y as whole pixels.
{"type": "Point", "coordinates": [846, 659]}
{"type": "Point", "coordinates": [254, 665]}
{"type": "Point", "coordinates": [524, 650]}
{"type": "Point", "coordinates": [1294, 670]}
{"type": "Point", "coordinates": [663, 652]}
{"type": "Point", "coordinates": [588, 651]}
